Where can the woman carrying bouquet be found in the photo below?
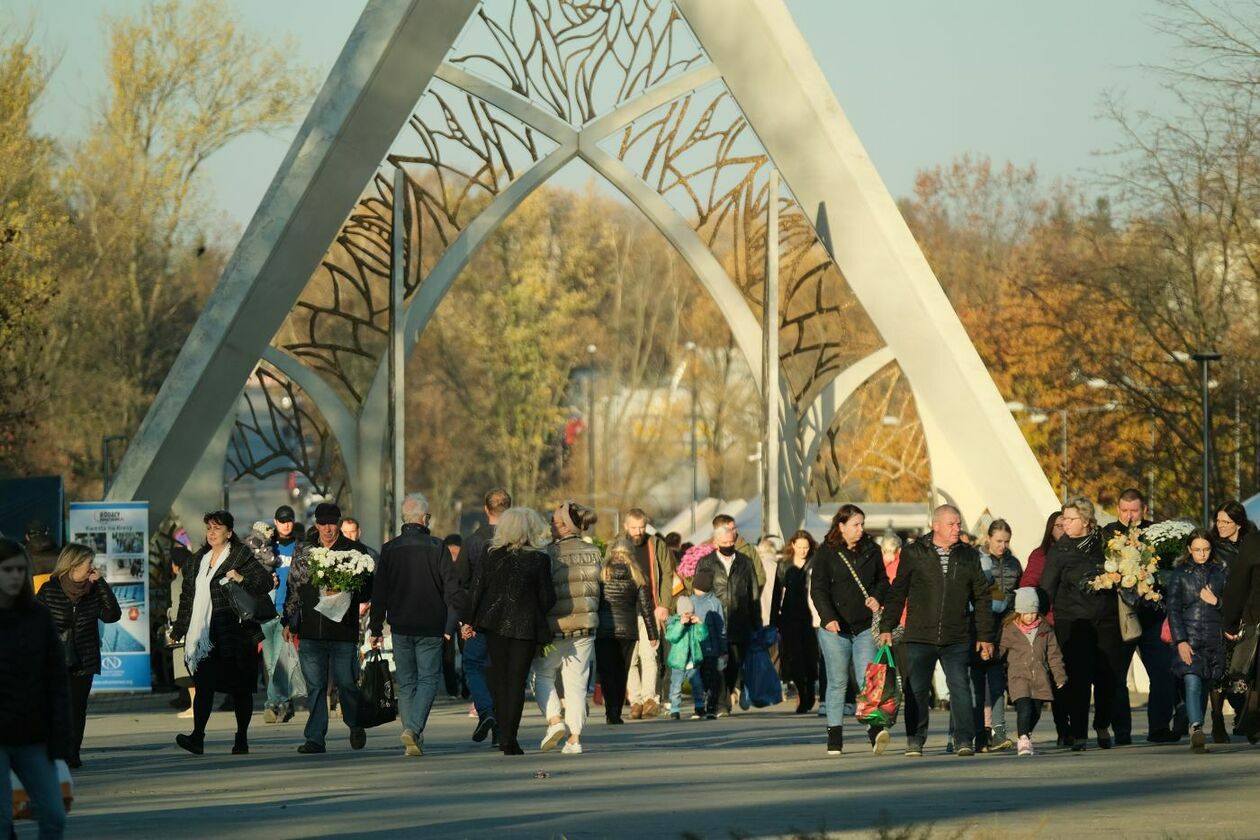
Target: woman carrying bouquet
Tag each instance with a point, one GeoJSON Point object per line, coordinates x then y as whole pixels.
{"type": "Point", "coordinates": [221, 651]}
{"type": "Point", "coordinates": [1086, 622]}
{"type": "Point", "coordinates": [1194, 618]}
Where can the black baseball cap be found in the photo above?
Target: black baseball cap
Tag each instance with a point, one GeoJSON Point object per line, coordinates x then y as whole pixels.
{"type": "Point", "coordinates": [284, 513]}
{"type": "Point", "coordinates": [326, 513]}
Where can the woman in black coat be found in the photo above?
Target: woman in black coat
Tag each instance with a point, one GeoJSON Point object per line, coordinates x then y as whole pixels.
{"type": "Point", "coordinates": [1193, 596]}
{"type": "Point", "coordinates": [511, 593]}
{"type": "Point", "coordinates": [1086, 623]}
{"type": "Point", "coordinates": [1230, 531]}
{"type": "Point", "coordinates": [793, 616]}
{"type": "Point", "coordinates": [78, 597]}
{"type": "Point", "coordinates": [34, 701]}
{"type": "Point", "coordinates": [849, 584]}
{"type": "Point", "coordinates": [1240, 612]}
{"type": "Point", "coordinates": [220, 649]}
{"type": "Point", "coordinates": [624, 599]}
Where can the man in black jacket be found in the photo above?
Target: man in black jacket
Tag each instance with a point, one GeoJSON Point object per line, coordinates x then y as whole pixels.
{"type": "Point", "coordinates": [942, 582]}
{"type": "Point", "coordinates": [476, 657]}
{"type": "Point", "coordinates": [417, 592]}
{"type": "Point", "coordinates": [735, 585]}
{"type": "Point", "coordinates": [1166, 721]}
{"type": "Point", "coordinates": [327, 646]}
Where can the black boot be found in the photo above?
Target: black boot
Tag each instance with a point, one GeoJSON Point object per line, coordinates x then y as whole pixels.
{"type": "Point", "coordinates": [195, 744]}
{"type": "Point", "coordinates": [241, 745]}
{"type": "Point", "coordinates": [835, 740]}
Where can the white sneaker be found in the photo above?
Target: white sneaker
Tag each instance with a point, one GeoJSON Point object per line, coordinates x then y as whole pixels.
{"type": "Point", "coordinates": [881, 742]}
{"type": "Point", "coordinates": [1025, 745]}
{"type": "Point", "coordinates": [571, 749]}
{"type": "Point", "coordinates": [556, 733]}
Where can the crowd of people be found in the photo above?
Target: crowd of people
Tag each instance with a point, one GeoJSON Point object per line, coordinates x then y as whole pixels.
{"type": "Point", "coordinates": [532, 606]}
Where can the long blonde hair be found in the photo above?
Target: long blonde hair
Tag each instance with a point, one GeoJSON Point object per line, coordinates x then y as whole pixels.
{"type": "Point", "coordinates": [71, 557]}
{"type": "Point", "coordinates": [621, 551]}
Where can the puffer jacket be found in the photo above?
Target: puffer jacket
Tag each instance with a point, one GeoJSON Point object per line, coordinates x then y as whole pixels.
{"type": "Point", "coordinates": [1070, 562]}
{"type": "Point", "coordinates": [939, 606]}
{"type": "Point", "coordinates": [1193, 620]}
{"type": "Point", "coordinates": [1003, 573]}
{"type": "Point", "coordinates": [76, 623]}
{"type": "Point", "coordinates": [836, 595]}
{"type": "Point", "coordinates": [622, 603]}
{"type": "Point", "coordinates": [575, 568]}
{"type": "Point", "coordinates": [1030, 665]}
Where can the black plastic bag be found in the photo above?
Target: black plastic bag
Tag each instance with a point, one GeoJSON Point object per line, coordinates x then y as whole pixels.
{"type": "Point", "coordinates": [377, 702]}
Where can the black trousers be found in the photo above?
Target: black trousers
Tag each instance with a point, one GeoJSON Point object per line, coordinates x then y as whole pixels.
{"type": "Point", "coordinates": [1093, 654]}
{"type": "Point", "coordinates": [612, 663]}
{"type": "Point", "coordinates": [510, 661]}
{"type": "Point", "coordinates": [80, 687]}
{"type": "Point", "coordinates": [798, 660]}
{"type": "Point", "coordinates": [1027, 713]}
{"type": "Point", "coordinates": [212, 675]}
{"type": "Point", "coordinates": [732, 677]}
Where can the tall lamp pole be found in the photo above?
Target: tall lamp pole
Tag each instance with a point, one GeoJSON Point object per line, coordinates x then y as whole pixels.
{"type": "Point", "coordinates": [690, 347]}
{"type": "Point", "coordinates": [591, 350]}
{"type": "Point", "coordinates": [1205, 360]}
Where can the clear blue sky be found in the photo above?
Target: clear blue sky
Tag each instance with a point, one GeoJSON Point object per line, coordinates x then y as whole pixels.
{"type": "Point", "coordinates": [923, 81]}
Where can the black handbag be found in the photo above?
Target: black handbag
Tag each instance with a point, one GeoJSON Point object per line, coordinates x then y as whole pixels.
{"type": "Point", "coordinates": [74, 664]}
{"type": "Point", "coordinates": [378, 704]}
{"type": "Point", "coordinates": [247, 605]}
{"type": "Point", "coordinates": [1243, 660]}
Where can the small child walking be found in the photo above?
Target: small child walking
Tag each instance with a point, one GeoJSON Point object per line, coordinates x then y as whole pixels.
{"type": "Point", "coordinates": [697, 635]}
{"type": "Point", "coordinates": [1032, 658]}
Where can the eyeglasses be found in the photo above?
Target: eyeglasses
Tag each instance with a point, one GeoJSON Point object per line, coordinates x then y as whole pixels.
{"type": "Point", "coordinates": [1067, 518]}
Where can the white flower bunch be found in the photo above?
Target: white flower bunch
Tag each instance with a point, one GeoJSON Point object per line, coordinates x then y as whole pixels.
{"type": "Point", "coordinates": [264, 529]}
{"type": "Point", "coordinates": [340, 570]}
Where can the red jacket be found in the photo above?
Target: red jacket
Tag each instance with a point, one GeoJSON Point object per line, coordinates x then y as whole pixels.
{"type": "Point", "coordinates": [1033, 570]}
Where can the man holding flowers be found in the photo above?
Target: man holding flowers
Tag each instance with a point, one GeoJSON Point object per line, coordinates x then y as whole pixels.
{"type": "Point", "coordinates": [1131, 513]}
{"type": "Point", "coordinates": [327, 583]}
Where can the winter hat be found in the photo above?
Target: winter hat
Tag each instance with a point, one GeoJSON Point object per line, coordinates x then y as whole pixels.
{"type": "Point", "coordinates": [703, 581]}
{"type": "Point", "coordinates": [684, 605]}
{"type": "Point", "coordinates": [1026, 600]}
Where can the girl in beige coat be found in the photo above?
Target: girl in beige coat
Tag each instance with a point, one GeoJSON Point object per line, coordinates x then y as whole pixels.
{"type": "Point", "coordinates": [1032, 658]}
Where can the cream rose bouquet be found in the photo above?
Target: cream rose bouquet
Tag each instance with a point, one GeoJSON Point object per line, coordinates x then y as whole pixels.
{"type": "Point", "coordinates": [1130, 563]}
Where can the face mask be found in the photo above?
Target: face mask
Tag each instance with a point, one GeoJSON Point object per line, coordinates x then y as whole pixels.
{"type": "Point", "coordinates": [727, 550]}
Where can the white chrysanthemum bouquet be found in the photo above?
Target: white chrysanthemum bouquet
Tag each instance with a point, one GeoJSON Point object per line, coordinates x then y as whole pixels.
{"type": "Point", "coordinates": [337, 574]}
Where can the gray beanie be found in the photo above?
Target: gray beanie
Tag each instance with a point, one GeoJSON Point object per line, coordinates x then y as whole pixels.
{"type": "Point", "coordinates": [1026, 600]}
{"type": "Point", "coordinates": [684, 605]}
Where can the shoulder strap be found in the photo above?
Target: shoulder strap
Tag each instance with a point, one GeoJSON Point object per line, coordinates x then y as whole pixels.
{"type": "Point", "coordinates": [853, 571]}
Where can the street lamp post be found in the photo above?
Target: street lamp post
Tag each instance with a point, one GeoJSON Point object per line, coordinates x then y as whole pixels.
{"type": "Point", "coordinates": [1040, 415]}
{"type": "Point", "coordinates": [1205, 360]}
{"type": "Point", "coordinates": [690, 347]}
{"type": "Point", "coordinates": [591, 350]}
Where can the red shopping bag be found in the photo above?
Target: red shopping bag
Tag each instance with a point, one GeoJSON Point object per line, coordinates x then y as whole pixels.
{"type": "Point", "coordinates": [880, 697]}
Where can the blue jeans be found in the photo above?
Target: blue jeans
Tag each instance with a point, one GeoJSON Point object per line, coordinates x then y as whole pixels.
{"type": "Point", "coordinates": [988, 684]}
{"type": "Point", "coordinates": [842, 651]}
{"type": "Point", "coordinates": [918, 688]}
{"type": "Point", "coordinates": [31, 764]}
{"type": "Point", "coordinates": [418, 664]}
{"type": "Point", "coordinates": [319, 659]}
{"type": "Point", "coordinates": [676, 677]}
{"type": "Point", "coordinates": [476, 660]}
{"type": "Point", "coordinates": [276, 665]}
{"type": "Point", "coordinates": [1196, 699]}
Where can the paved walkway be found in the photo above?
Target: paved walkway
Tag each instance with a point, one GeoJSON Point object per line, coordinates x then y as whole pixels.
{"type": "Point", "coordinates": [763, 773]}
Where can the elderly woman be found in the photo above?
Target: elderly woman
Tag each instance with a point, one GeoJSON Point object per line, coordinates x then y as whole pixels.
{"type": "Point", "coordinates": [1087, 623]}
{"type": "Point", "coordinates": [511, 593]}
{"type": "Point", "coordinates": [78, 597]}
{"type": "Point", "coordinates": [220, 650]}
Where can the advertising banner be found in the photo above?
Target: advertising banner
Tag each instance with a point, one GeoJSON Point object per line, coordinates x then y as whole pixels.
{"type": "Point", "coordinates": [119, 533]}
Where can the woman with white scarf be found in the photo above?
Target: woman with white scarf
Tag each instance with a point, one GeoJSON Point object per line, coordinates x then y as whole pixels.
{"type": "Point", "coordinates": [221, 651]}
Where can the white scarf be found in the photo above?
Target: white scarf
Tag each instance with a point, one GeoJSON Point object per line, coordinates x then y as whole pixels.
{"type": "Point", "coordinates": [197, 644]}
